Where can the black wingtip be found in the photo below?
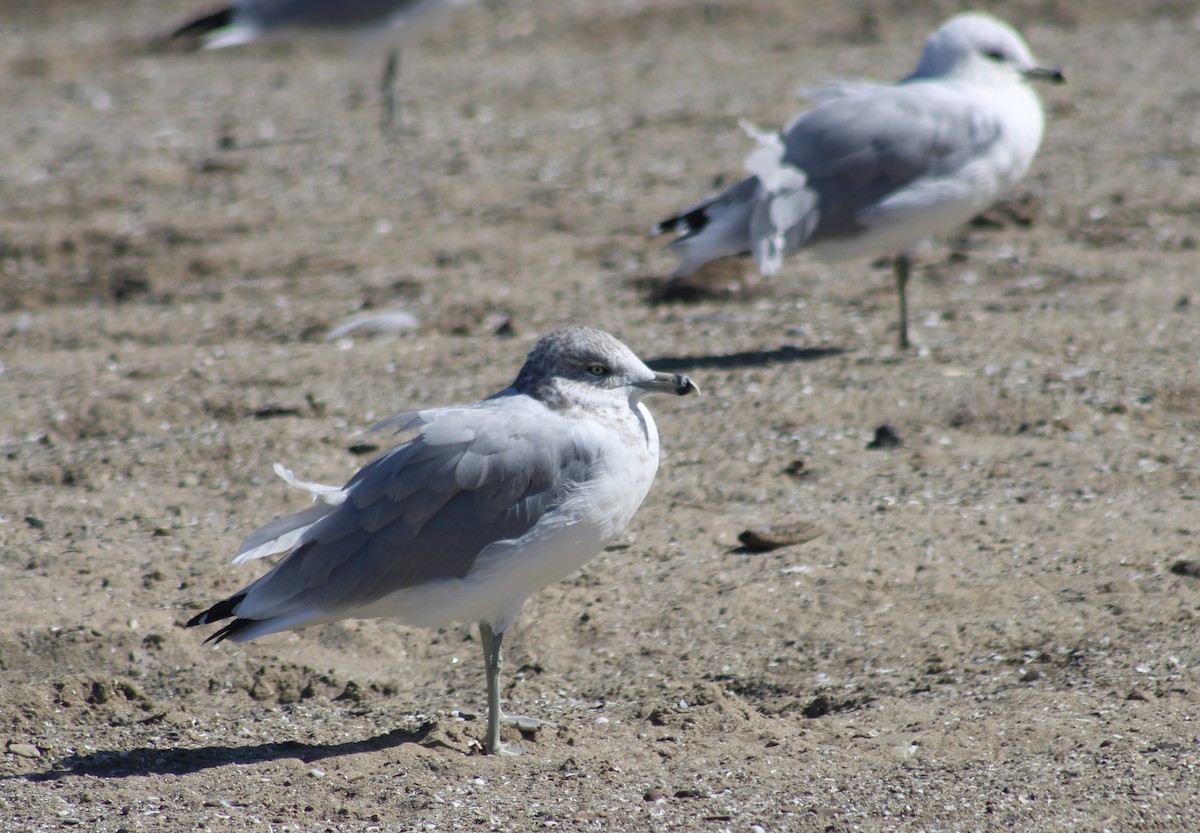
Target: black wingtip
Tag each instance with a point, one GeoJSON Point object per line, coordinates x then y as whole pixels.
{"type": "Point", "coordinates": [203, 25]}
{"type": "Point", "coordinates": [688, 224]}
{"type": "Point", "coordinates": [231, 630]}
{"type": "Point", "coordinates": [668, 225]}
{"type": "Point", "coordinates": [221, 610]}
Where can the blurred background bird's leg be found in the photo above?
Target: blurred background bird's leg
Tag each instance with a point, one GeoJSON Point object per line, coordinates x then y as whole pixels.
{"type": "Point", "coordinates": [392, 115]}
{"type": "Point", "coordinates": [902, 264]}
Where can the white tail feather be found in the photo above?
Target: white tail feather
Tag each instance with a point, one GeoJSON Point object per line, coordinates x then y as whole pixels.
{"type": "Point", "coordinates": [333, 495]}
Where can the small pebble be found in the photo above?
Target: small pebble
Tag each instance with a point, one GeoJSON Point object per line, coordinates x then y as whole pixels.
{"type": "Point", "coordinates": [886, 437]}
{"type": "Point", "coordinates": [767, 538]}
{"type": "Point", "coordinates": [1186, 567]}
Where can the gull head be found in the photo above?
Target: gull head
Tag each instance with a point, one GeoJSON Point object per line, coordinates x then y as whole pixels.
{"type": "Point", "coordinates": [977, 43]}
{"type": "Point", "coordinates": [578, 365]}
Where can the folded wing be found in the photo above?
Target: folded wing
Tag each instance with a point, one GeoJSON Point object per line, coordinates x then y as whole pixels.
{"type": "Point", "coordinates": [420, 512]}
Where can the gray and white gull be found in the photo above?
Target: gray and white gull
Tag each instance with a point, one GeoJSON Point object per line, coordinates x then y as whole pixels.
{"type": "Point", "coordinates": [245, 21]}
{"type": "Point", "coordinates": [487, 503]}
{"type": "Point", "coordinates": [874, 169]}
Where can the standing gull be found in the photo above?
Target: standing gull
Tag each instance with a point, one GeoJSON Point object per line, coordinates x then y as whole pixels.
{"type": "Point", "coordinates": [877, 168]}
{"type": "Point", "coordinates": [245, 21]}
{"type": "Point", "coordinates": [486, 504]}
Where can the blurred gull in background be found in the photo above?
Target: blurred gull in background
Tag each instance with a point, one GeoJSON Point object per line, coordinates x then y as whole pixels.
{"type": "Point", "coordinates": [875, 169]}
{"type": "Point", "coordinates": [245, 21]}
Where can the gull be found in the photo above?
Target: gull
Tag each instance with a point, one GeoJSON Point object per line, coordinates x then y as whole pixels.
{"type": "Point", "coordinates": [875, 169]}
{"type": "Point", "coordinates": [487, 503]}
{"type": "Point", "coordinates": [245, 21]}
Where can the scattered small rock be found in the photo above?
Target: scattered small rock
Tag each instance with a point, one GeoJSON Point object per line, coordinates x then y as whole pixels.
{"type": "Point", "coordinates": [261, 690]}
{"type": "Point", "coordinates": [502, 326]}
{"type": "Point", "coordinates": [886, 437]}
{"type": "Point", "coordinates": [274, 411]}
{"type": "Point", "coordinates": [819, 706]}
{"type": "Point", "coordinates": [100, 693]}
{"type": "Point", "coordinates": [1186, 567]}
{"type": "Point", "coordinates": [352, 692]}
{"type": "Point", "coordinates": [775, 536]}
{"type": "Point", "coordinates": [797, 469]}
{"type": "Point", "coordinates": [442, 735]}
{"type": "Point", "coordinates": [824, 704]}
{"type": "Point", "coordinates": [24, 750]}
{"type": "Point", "coordinates": [526, 725]}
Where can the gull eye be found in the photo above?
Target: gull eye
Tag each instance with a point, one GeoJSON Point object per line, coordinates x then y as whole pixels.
{"type": "Point", "coordinates": [597, 370]}
{"type": "Point", "coordinates": [994, 55]}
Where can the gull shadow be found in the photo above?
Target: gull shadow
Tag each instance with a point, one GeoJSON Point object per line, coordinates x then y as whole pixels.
{"type": "Point", "coordinates": [149, 761]}
{"type": "Point", "coordinates": [749, 358]}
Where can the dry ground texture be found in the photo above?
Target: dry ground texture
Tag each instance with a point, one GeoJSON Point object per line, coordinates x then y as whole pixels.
{"type": "Point", "coordinates": [993, 630]}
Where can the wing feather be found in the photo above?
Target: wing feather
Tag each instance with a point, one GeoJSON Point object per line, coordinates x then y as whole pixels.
{"type": "Point", "coordinates": [867, 144]}
{"type": "Point", "coordinates": [425, 510]}
{"type": "Point", "coordinates": [281, 534]}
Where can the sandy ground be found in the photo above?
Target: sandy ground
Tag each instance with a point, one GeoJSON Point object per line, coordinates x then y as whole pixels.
{"type": "Point", "coordinates": [993, 630]}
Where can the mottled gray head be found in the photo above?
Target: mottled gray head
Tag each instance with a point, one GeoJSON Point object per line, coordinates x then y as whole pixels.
{"type": "Point", "coordinates": [978, 42]}
{"type": "Point", "coordinates": [578, 364]}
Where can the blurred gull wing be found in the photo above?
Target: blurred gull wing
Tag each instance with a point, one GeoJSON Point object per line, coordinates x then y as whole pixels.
{"type": "Point", "coordinates": [245, 21]}
{"type": "Point", "coordinates": [897, 156]}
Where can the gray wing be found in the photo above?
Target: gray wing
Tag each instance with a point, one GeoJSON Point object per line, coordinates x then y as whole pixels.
{"type": "Point", "coordinates": [859, 148]}
{"type": "Point", "coordinates": [426, 509]}
{"type": "Point", "coordinates": [274, 14]}
{"type": "Point", "coordinates": [272, 536]}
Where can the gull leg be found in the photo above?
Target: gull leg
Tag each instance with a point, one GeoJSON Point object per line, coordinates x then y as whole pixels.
{"type": "Point", "coordinates": [493, 662]}
{"type": "Point", "coordinates": [902, 265]}
{"type": "Point", "coordinates": [387, 87]}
